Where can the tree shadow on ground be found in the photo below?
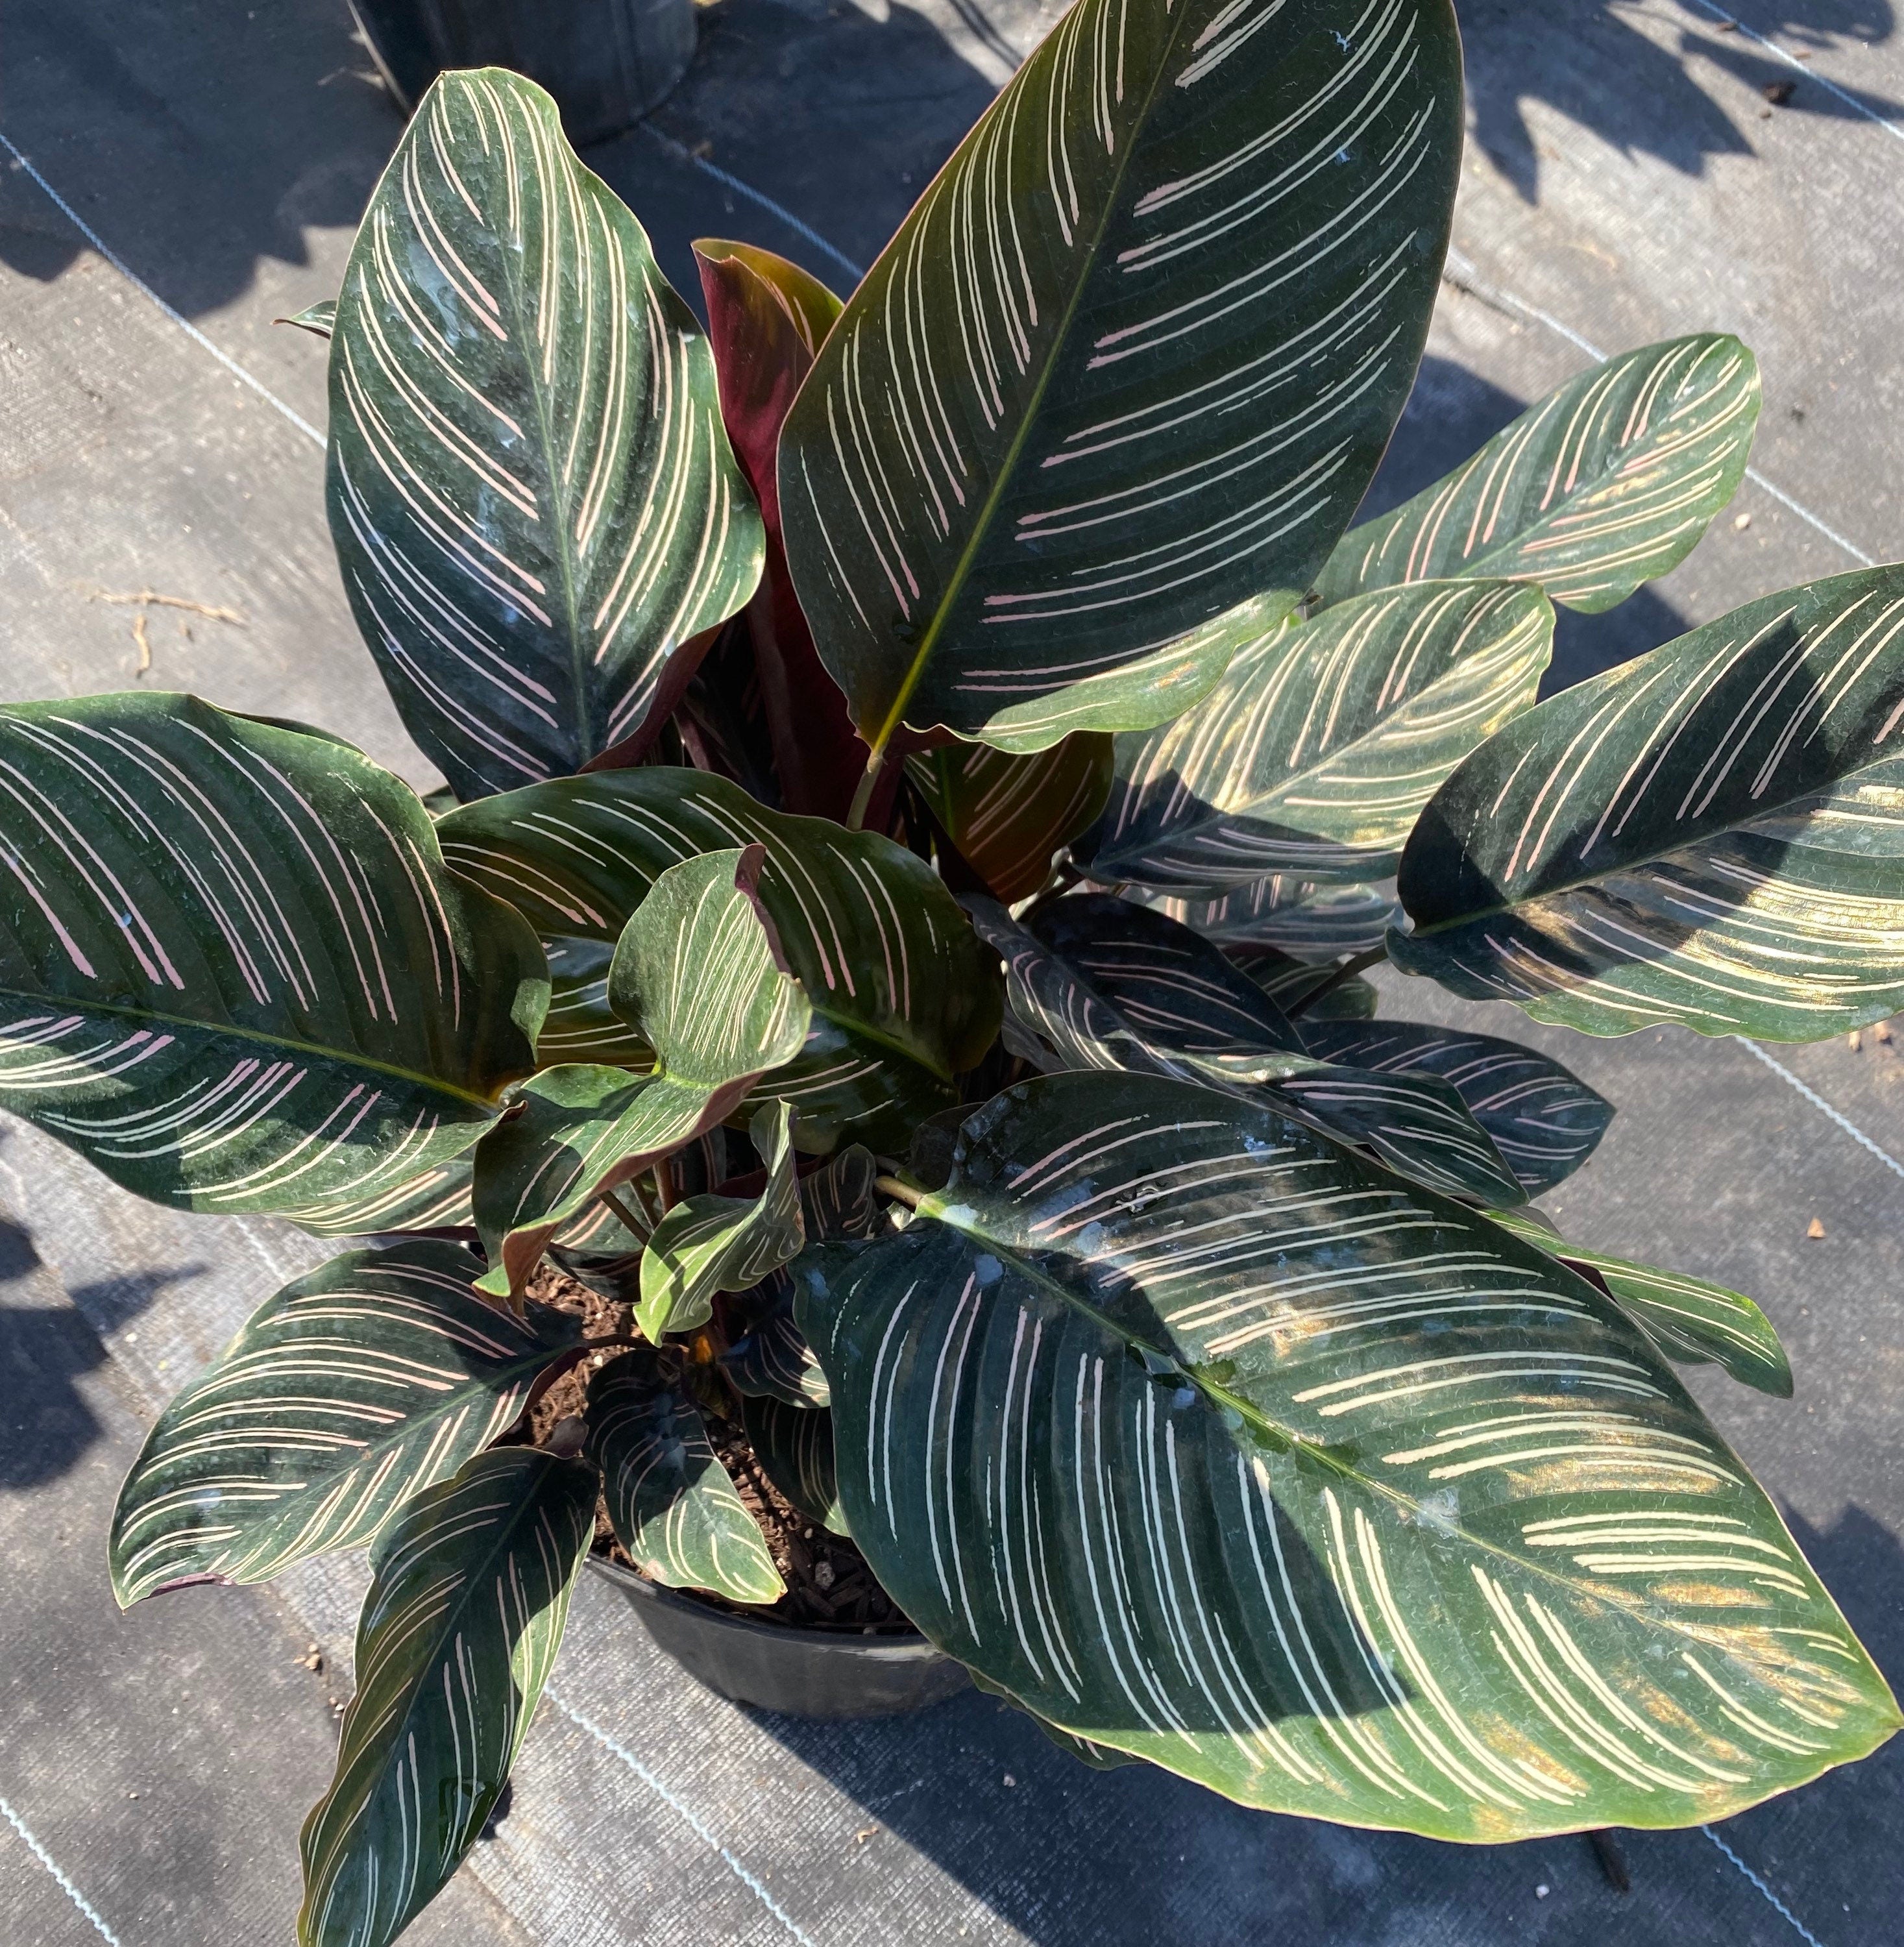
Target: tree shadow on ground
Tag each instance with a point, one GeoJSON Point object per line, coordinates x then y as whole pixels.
{"type": "Point", "coordinates": [1641, 80]}
{"type": "Point", "coordinates": [46, 1424]}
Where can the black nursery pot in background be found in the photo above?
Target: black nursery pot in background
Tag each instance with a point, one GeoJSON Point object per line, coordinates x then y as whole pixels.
{"type": "Point", "coordinates": [606, 62]}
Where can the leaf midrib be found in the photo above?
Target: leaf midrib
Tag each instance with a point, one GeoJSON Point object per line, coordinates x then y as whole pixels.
{"type": "Point", "coordinates": [1003, 479]}
{"type": "Point", "coordinates": [314, 1050]}
{"type": "Point", "coordinates": [935, 1206]}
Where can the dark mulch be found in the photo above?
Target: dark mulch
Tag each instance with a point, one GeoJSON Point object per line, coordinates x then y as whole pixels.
{"type": "Point", "coordinates": [828, 1585]}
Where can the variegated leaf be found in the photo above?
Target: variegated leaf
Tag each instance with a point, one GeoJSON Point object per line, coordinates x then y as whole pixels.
{"type": "Point", "coordinates": [794, 1445]}
{"type": "Point", "coordinates": [234, 974]}
{"type": "Point", "coordinates": [1712, 834]}
{"type": "Point", "coordinates": [1210, 1443]}
{"type": "Point", "coordinates": [1314, 755]}
{"type": "Point", "coordinates": [837, 1200]}
{"type": "Point", "coordinates": [1130, 362]}
{"type": "Point", "coordinates": [1289, 916]}
{"type": "Point", "coordinates": [352, 1389]}
{"type": "Point", "coordinates": [1545, 1121]}
{"type": "Point", "coordinates": [533, 500]}
{"type": "Point", "coordinates": [319, 319]}
{"type": "Point", "coordinates": [469, 1592]}
{"type": "Point", "coordinates": [770, 1360]}
{"type": "Point", "coordinates": [1606, 483]}
{"type": "Point", "coordinates": [580, 1026]}
{"type": "Point", "coordinates": [711, 1243]}
{"type": "Point", "coordinates": [672, 1504]}
{"type": "Point", "coordinates": [1691, 1320]}
{"type": "Point", "coordinates": [697, 974]}
{"type": "Point", "coordinates": [1303, 987]}
{"type": "Point", "coordinates": [434, 1198]}
{"type": "Point", "coordinates": [903, 998]}
{"type": "Point", "coordinates": [1007, 815]}
{"type": "Point", "coordinates": [1107, 985]}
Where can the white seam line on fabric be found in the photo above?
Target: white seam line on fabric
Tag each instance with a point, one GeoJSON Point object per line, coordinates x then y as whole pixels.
{"type": "Point", "coordinates": [1823, 1107]}
{"type": "Point", "coordinates": [689, 1816]}
{"type": "Point", "coordinates": [1467, 277]}
{"type": "Point", "coordinates": [1798, 1927]}
{"type": "Point", "coordinates": [1792, 61]}
{"type": "Point", "coordinates": [139, 284]}
{"type": "Point", "coordinates": [52, 1865]}
{"type": "Point", "coordinates": [685, 155]}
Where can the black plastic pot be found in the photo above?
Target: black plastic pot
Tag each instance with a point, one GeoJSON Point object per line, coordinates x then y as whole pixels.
{"type": "Point", "coordinates": [803, 1673]}
{"type": "Point", "coordinates": [606, 62]}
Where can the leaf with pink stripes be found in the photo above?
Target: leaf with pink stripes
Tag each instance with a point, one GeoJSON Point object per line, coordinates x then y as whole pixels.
{"type": "Point", "coordinates": [234, 973]}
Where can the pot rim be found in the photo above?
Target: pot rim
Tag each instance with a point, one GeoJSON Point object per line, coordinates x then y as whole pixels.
{"type": "Point", "coordinates": [915, 1648]}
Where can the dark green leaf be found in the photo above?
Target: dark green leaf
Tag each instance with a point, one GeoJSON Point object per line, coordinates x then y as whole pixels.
{"type": "Point", "coordinates": [1108, 985]}
{"type": "Point", "coordinates": [1289, 916]}
{"type": "Point", "coordinates": [1545, 1121]}
{"type": "Point", "coordinates": [837, 1200]}
{"type": "Point", "coordinates": [697, 974]}
{"type": "Point", "coordinates": [903, 998]}
{"type": "Point", "coordinates": [1007, 815]}
{"type": "Point", "coordinates": [1130, 362]}
{"type": "Point", "coordinates": [534, 502]}
{"type": "Point", "coordinates": [1210, 1443]}
{"type": "Point", "coordinates": [1606, 483]}
{"type": "Point", "coordinates": [350, 1391]}
{"type": "Point", "coordinates": [1691, 1320]}
{"type": "Point", "coordinates": [674, 1507]}
{"type": "Point", "coordinates": [235, 975]}
{"type": "Point", "coordinates": [1712, 834]}
{"type": "Point", "coordinates": [770, 1360]}
{"type": "Point", "coordinates": [470, 1591]}
{"type": "Point", "coordinates": [1314, 754]}
{"type": "Point", "coordinates": [794, 1446]}
{"type": "Point", "coordinates": [1300, 986]}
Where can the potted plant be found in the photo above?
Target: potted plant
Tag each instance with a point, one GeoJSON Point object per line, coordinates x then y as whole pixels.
{"type": "Point", "coordinates": [925, 781]}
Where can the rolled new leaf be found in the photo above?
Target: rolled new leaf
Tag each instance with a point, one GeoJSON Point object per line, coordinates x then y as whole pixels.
{"type": "Point", "coordinates": [1692, 1321]}
{"type": "Point", "coordinates": [1609, 481]}
{"type": "Point", "coordinates": [1007, 815]}
{"type": "Point", "coordinates": [1545, 1121]}
{"type": "Point", "coordinates": [1708, 834]}
{"type": "Point", "coordinates": [237, 976]}
{"type": "Point", "coordinates": [1313, 756]}
{"type": "Point", "coordinates": [672, 1504]}
{"type": "Point", "coordinates": [533, 500]}
{"type": "Point", "coordinates": [766, 317]}
{"type": "Point", "coordinates": [903, 998]}
{"type": "Point", "coordinates": [1107, 985]}
{"type": "Point", "coordinates": [697, 973]}
{"type": "Point", "coordinates": [1128, 364]}
{"type": "Point", "coordinates": [353, 1388]}
{"type": "Point", "coordinates": [469, 1591]}
{"type": "Point", "coordinates": [713, 1243]}
{"type": "Point", "coordinates": [1210, 1442]}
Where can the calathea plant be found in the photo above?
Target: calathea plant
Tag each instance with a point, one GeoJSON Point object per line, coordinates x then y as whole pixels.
{"type": "Point", "coordinates": [925, 780]}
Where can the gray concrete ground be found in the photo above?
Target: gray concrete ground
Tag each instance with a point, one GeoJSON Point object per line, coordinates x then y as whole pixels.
{"type": "Point", "coordinates": [178, 172]}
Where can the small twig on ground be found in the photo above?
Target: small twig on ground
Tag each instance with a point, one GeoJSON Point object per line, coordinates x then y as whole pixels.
{"type": "Point", "coordinates": [145, 646]}
{"type": "Point", "coordinates": [149, 598]}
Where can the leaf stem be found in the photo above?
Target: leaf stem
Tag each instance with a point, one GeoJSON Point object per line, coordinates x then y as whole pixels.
{"type": "Point", "coordinates": [1346, 971]}
{"type": "Point", "coordinates": [630, 1222]}
{"type": "Point", "coordinates": [901, 1193]}
{"type": "Point", "coordinates": [863, 796]}
{"type": "Point", "coordinates": [664, 1187]}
